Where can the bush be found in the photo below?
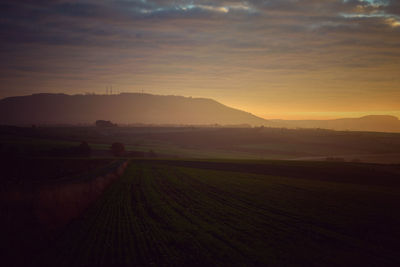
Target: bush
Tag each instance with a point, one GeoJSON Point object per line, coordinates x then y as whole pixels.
{"type": "Point", "coordinates": [118, 149]}
{"type": "Point", "coordinates": [152, 154]}
{"type": "Point", "coordinates": [83, 149]}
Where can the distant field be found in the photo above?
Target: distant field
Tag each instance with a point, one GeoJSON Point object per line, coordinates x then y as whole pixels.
{"type": "Point", "coordinates": [202, 142]}
{"type": "Point", "coordinates": [238, 213]}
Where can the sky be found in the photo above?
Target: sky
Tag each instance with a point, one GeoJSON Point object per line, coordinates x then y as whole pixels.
{"type": "Point", "coordinates": [290, 59]}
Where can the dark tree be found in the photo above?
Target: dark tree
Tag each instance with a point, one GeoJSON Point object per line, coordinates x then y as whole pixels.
{"type": "Point", "coordinates": [152, 154]}
{"type": "Point", "coordinates": [118, 149]}
{"type": "Point", "coordinates": [84, 149]}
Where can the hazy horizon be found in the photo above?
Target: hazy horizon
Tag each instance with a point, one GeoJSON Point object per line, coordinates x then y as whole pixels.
{"type": "Point", "coordinates": [161, 110]}
{"type": "Point", "coordinates": [290, 116]}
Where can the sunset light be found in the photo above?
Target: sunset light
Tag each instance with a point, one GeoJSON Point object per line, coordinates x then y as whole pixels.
{"type": "Point", "coordinates": [265, 57]}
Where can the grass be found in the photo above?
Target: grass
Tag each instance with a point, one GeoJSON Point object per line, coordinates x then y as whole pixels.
{"type": "Point", "coordinates": [161, 213]}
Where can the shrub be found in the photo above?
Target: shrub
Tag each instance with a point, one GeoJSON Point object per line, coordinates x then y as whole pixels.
{"type": "Point", "coordinates": [118, 149]}
{"type": "Point", "coordinates": [84, 149]}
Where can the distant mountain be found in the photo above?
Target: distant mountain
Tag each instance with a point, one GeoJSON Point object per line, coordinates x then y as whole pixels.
{"type": "Point", "coordinates": [136, 108]}
{"type": "Point", "coordinates": [373, 123]}
{"type": "Point", "coordinates": [125, 108]}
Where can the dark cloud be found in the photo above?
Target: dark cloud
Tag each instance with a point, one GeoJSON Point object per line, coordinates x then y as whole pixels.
{"type": "Point", "coordinates": [134, 23]}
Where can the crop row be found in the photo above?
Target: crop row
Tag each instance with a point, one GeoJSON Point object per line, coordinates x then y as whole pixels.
{"type": "Point", "coordinates": [162, 215]}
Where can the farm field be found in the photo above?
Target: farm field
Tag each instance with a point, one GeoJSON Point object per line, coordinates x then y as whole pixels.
{"type": "Point", "coordinates": [207, 143]}
{"type": "Point", "coordinates": [39, 196]}
{"type": "Point", "coordinates": [238, 213]}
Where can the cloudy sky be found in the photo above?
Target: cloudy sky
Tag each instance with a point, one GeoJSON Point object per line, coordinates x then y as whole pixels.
{"type": "Point", "coordinates": [274, 58]}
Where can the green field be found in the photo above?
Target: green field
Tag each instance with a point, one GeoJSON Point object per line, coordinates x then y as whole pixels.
{"type": "Point", "coordinates": [207, 142]}
{"type": "Point", "coordinates": [191, 213]}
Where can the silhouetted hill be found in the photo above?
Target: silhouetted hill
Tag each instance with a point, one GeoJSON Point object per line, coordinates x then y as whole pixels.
{"type": "Point", "coordinates": [374, 123]}
{"type": "Point", "coordinates": [125, 108]}
{"type": "Point", "coordinates": [136, 108]}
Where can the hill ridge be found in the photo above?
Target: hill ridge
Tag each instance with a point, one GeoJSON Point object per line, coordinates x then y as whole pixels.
{"type": "Point", "coordinates": [126, 108]}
